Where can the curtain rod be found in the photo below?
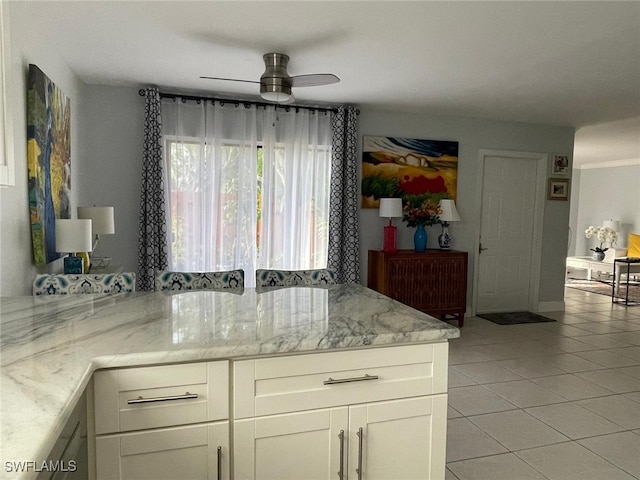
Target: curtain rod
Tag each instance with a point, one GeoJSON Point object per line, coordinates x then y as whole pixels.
{"type": "Point", "coordinates": [237, 103]}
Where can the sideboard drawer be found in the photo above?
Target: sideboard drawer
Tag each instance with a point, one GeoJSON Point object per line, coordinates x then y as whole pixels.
{"type": "Point", "coordinates": [305, 382]}
{"type": "Point", "coordinates": [130, 399]}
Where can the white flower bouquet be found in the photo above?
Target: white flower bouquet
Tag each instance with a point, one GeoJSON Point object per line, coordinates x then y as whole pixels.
{"type": "Point", "coordinates": [605, 235]}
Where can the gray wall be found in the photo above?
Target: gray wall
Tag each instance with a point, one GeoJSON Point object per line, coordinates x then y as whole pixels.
{"type": "Point", "coordinates": [106, 154]}
{"type": "Point", "coordinates": [605, 193]}
{"type": "Point", "coordinates": [474, 135]}
{"type": "Point", "coordinates": [112, 123]}
{"type": "Point", "coordinates": [17, 268]}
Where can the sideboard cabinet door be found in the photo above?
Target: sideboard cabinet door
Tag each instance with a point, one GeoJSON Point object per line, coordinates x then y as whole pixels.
{"type": "Point", "coordinates": [434, 282]}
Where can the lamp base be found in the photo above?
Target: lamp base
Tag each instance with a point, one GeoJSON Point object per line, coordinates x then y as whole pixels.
{"type": "Point", "coordinates": [444, 240]}
{"type": "Point", "coordinates": [390, 238]}
{"type": "Point", "coordinates": [100, 262]}
{"type": "Point", "coordinates": [73, 265]}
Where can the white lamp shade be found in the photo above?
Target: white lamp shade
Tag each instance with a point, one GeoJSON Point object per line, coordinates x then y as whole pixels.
{"type": "Point", "coordinates": [102, 219]}
{"type": "Point", "coordinates": [73, 236]}
{"type": "Point", "coordinates": [612, 224]}
{"type": "Point", "coordinates": [449, 212]}
{"type": "Point", "coordinates": [390, 207]}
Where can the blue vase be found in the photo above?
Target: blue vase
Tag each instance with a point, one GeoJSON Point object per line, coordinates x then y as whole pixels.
{"type": "Point", "coordinates": [420, 239]}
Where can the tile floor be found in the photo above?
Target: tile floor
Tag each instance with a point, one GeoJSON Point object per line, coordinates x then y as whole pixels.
{"type": "Point", "coordinates": [554, 401]}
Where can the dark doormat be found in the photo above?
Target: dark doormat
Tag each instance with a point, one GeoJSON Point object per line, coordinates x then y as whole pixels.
{"type": "Point", "coordinates": [513, 318]}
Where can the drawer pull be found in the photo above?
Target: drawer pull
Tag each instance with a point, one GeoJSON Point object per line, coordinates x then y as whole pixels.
{"type": "Point", "coordinates": [366, 377]}
{"type": "Point", "coordinates": [219, 457]}
{"type": "Point", "coordinates": [141, 399]}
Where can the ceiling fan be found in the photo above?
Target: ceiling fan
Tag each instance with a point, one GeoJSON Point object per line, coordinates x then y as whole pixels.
{"type": "Point", "coordinates": [276, 83]}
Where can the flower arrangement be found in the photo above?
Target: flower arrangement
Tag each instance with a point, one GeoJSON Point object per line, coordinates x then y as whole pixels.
{"type": "Point", "coordinates": [421, 210]}
{"type": "Point", "coordinates": [605, 235]}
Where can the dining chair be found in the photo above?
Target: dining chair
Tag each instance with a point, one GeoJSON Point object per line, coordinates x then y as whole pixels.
{"type": "Point", "coordinates": [64, 284]}
{"type": "Point", "coordinates": [219, 281]}
{"type": "Point", "coordinates": [293, 278]}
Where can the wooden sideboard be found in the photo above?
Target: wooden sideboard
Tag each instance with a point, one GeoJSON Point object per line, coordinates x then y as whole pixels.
{"type": "Point", "coordinates": [434, 281]}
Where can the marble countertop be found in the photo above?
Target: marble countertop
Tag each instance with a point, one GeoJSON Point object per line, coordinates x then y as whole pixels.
{"type": "Point", "coordinates": [50, 345]}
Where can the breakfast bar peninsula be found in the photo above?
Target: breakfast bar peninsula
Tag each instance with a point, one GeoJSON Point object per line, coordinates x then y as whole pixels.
{"type": "Point", "coordinates": [310, 382]}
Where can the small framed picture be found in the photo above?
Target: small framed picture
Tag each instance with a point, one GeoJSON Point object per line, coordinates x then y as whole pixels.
{"type": "Point", "coordinates": [558, 189]}
{"type": "Point", "coordinates": [561, 165]}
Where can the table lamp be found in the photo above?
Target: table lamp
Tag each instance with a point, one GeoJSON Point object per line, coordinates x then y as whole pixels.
{"type": "Point", "coordinates": [449, 214]}
{"type": "Point", "coordinates": [102, 223]}
{"type": "Point", "coordinates": [390, 208]}
{"type": "Point", "coordinates": [612, 224]}
{"type": "Point", "coordinates": [72, 237]}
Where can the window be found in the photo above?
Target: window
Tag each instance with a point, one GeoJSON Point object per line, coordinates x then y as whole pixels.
{"type": "Point", "coordinates": [239, 199]}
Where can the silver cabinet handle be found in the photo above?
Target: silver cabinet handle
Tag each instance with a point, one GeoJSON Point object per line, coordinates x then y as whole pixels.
{"type": "Point", "coordinates": [331, 381]}
{"type": "Point", "coordinates": [219, 463]}
{"type": "Point", "coordinates": [360, 440]}
{"type": "Point", "coordinates": [141, 399]}
{"type": "Point", "coordinates": [341, 471]}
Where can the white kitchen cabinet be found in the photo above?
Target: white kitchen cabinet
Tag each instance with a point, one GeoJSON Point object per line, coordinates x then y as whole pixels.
{"type": "Point", "coordinates": [191, 452]}
{"type": "Point", "coordinates": [301, 445]}
{"type": "Point", "coordinates": [398, 439]}
{"type": "Point", "coordinates": [163, 422]}
{"type": "Point", "coordinates": [68, 459]}
{"type": "Point", "coordinates": [367, 414]}
{"type": "Point", "coordinates": [377, 413]}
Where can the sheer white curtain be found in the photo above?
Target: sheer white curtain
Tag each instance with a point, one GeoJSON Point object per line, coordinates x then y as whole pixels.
{"type": "Point", "coordinates": [210, 152]}
{"type": "Point", "coordinates": [227, 208]}
{"type": "Point", "coordinates": [295, 187]}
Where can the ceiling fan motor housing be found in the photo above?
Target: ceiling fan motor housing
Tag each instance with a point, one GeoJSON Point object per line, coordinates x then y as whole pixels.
{"type": "Point", "coordinates": [275, 78]}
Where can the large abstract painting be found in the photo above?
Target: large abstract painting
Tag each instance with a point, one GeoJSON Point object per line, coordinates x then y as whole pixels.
{"type": "Point", "coordinates": [407, 167]}
{"type": "Point", "coordinates": [48, 161]}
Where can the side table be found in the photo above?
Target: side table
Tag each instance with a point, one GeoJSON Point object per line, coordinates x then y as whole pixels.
{"type": "Point", "coordinates": [619, 263]}
{"type": "Point", "coordinates": [434, 281]}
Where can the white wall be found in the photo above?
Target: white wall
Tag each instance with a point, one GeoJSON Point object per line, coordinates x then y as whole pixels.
{"type": "Point", "coordinates": [606, 193]}
{"type": "Point", "coordinates": [17, 268]}
{"type": "Point", "coordinates": [474, 135]}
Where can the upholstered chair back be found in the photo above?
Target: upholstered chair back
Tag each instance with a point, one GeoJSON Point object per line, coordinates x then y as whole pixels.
{"type": "Point", "coordinates": [64, 284]}
{"type": "Point", "coordinates": [292, 278]}
{"type": "Point", "coordinates": [220, 281]}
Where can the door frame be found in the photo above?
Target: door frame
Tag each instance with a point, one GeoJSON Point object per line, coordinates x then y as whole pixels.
{"type": "Point", "coordinates": [541, 160]}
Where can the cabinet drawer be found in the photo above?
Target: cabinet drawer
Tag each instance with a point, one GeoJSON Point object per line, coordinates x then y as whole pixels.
{"type": "Point", "coordinates": [150, 397]}
{"type": "Point", "coordinates": [303, 382]}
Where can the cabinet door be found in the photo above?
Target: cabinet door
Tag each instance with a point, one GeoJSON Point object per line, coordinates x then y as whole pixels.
{"type": "Point", "coordinates": [398, 439]}
{"type": "Point", "coordinates": [183, 452]}
{"type": "Point", "coordinates": [294, 446]}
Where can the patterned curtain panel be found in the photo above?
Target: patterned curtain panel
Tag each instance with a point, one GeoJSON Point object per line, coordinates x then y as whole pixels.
{"type": "Point", "coordinates": [152, 239]}
{"type": "Point", "coordinates": [344, 242]}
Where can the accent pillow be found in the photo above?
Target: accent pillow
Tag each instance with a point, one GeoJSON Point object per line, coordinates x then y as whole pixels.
{"type": "Point", "coordinates": [633, 248]}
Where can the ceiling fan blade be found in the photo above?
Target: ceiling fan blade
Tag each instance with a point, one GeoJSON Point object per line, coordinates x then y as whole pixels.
{"type": "Point", "coordinates": [230, 79]}
{"type": "Point", "coordinates": [314, 80]}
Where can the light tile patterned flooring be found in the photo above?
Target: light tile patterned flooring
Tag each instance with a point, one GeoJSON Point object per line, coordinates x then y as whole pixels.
{"type": "Point", "coordinates": [554, 401]}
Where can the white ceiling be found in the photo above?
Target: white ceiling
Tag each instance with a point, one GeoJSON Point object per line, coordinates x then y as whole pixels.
{"type": "Point", "coordinates": [560, 63]}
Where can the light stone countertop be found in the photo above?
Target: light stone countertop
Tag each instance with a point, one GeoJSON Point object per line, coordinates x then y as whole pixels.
{"type": "Point", "coordinates": [50, 345]}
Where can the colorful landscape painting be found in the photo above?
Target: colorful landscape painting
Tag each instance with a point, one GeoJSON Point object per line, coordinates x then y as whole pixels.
{"type": "Point", "coordinates": [48, 162]}
{"type": "Point", "coordinates": [407, 167]}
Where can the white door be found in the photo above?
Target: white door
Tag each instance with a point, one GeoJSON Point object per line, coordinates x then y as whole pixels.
{"type": "Point", "coordinates": [401, 439]}
{"type": "Point", "coordinates": [510, 209]}
{"type": "Point", "coordinates": [293, 446]}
